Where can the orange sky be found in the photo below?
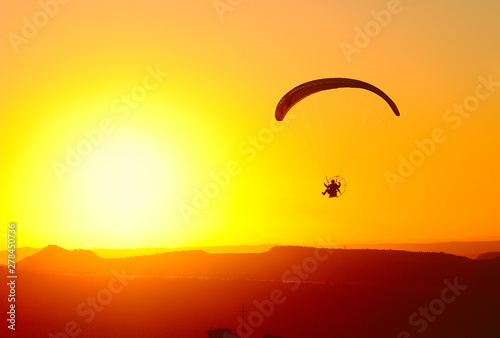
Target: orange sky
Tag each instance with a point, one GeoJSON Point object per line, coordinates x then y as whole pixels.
{"type": "Point", "coordinates": [115, 117]}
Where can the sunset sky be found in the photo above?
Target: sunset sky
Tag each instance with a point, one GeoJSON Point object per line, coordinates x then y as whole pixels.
{"type": "Point", "coordinates": [116, 116]}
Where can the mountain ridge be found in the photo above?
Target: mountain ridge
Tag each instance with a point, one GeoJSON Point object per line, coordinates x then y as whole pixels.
{"type": "Point", "coordinates": [296, 264]}
{"type": "Point", "coordinates": [471, 249]}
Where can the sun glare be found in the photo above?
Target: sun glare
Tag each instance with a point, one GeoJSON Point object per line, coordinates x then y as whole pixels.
{"type": "Point", "coordinates": [126, 177]}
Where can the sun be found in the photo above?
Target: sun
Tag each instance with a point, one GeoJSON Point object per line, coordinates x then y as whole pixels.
{"type": "Point", "coordinates": [124, 176]}
{"type": "Point", "coordinates": [124, 182]}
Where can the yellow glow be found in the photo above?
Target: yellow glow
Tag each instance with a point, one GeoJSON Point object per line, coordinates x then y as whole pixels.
{"type": "Point", "coordinates": [125, 178]}
{"type": "Point", "coordinates": [224, 81]}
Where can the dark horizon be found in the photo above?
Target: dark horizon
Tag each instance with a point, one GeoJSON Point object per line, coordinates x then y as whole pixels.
{"type": "Point", "coordinates": [282, 289]}
{"type": "Point", "coordinates": [470, 249]}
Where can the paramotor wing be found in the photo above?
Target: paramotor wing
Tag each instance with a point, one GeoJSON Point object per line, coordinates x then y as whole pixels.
{"type": "Point", "coordinates": [302, 91]}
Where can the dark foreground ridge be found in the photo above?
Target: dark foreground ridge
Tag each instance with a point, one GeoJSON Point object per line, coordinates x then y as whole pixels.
{"type": "Point", "coordinates": [341, 265]}
{"type": "Point", "coordinates": [294, 292]}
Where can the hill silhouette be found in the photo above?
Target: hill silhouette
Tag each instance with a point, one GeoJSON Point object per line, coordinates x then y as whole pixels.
{"type": "Point", "coordinates": [123, 253]}
{"type": "Point", "coordinates": [342, 265]}
{"type": "Point", "coordinates": [21, 253]}
{"type": "Point", "coordinates": [489, 255]}
{"type": "Point", "coordinates": [347, 293]}
{"type": "Point", "coordinates": [55, 259]}
{"type": "Point", "coordinates": [470, 249]}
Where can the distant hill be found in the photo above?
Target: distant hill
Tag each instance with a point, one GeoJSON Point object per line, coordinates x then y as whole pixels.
{"type": "Point", "coordinates": [349, 293]}
{"type": "Point", "coordinates": [24, 252]}
{"type": "Point", "coordinates": [293, 263]}
{"type": "Point", "coordinates": [471, 249]}
{"type": "Point", "coordinates": [21, 253]}
{"type": "Point", "coordinates": [122, 253]}
{"type": "Point", "coordinates": [489, 255]}
{"type": "Point", "coordinates": [55, 259]}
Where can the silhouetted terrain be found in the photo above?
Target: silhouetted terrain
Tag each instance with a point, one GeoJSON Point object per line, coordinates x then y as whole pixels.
{"type": "Point", "coordinates": [489, 255]}
{"type": "Point", "coordinates": [470, 249]}
{"type": "Point", "coordinates": [342, 265]}
{"type": "Point", "coordinates": [337, 293]}
{"type": "Point", "coordinates": [20, 253]}
{"type": "Point", "coordinates": [122, 253]}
